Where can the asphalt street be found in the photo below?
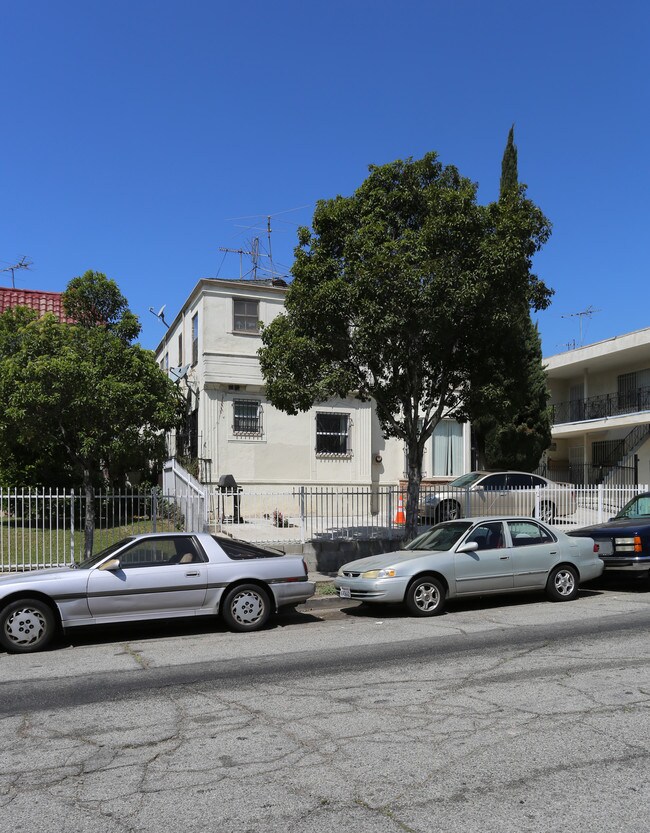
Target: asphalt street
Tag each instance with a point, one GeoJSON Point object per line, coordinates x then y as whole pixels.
{"type": "Point", "coordinates": [507, 713]}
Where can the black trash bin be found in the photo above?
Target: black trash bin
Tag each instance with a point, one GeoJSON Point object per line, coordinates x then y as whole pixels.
{"type": "Point", "coordinates": [228, 485]}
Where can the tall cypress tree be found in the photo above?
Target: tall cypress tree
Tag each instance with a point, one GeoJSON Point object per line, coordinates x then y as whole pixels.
{"type": "Point", "coordinates": [509, 174]}
{"type": "Point", "coordinates": [511, 420]}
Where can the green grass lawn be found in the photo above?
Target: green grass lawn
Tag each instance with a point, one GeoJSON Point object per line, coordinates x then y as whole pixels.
{"type": "Point", "coordinates": [25, 546]}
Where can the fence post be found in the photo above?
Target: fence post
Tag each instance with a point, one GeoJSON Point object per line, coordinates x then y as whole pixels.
{"type": "Point", "coordinates": [600, 503]}
{"type": "Point", "coordinates": [72, 525]}
{"type": "Point", "coordinates": [537, 496]}
{"type": "Point", "coordinates": [303, 518]}
{"type": "Point", "coordinates": [154, 509]}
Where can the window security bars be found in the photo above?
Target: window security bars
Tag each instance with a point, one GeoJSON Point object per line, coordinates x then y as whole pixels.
{"type": "Point", "coordinates": [247, 417]}
{"type": "Point", "coordinates": [333, 434]}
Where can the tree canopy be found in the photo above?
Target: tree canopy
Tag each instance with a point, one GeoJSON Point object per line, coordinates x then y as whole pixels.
{"type": "Point", "coordinates": [81, 403]}
{"type": "Point", "coordinates": [398, 293]}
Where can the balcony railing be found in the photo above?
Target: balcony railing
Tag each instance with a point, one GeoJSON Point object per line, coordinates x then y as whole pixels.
{"type": "Point", "coordinates": [605, 405]}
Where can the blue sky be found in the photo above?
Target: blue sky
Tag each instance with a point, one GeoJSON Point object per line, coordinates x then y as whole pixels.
{"type": "Point", "coordinates": [135, 131]}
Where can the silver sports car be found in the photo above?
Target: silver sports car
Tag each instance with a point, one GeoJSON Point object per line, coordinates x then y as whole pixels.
{"type": "Point", "coordinates": [473, 557]}
{"type": "Point", "coordinates": [154, 576]}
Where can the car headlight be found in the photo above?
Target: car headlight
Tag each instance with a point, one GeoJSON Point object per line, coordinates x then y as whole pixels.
{"type": "Point", "coordinates": [388, 572]}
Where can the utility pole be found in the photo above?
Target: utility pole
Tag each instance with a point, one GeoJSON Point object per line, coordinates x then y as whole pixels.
{"type": "Point", "coordinates": [23, 263]}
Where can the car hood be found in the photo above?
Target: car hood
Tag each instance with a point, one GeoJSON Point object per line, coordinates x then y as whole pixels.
{"type": "Point", "coordinates": [35, 576]}
{"type": "Point", "coordinates": [622, 526]}
{"type": "Point", "coordinates": [386, 559]}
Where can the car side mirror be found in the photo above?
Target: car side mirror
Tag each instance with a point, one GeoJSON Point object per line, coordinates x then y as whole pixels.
{"type": "Point", "coordinates": [112, 564]}
{"type": "Point", "coordinates": [470, 546]}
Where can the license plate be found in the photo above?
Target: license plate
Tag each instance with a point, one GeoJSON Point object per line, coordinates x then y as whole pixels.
{"type": "Point", "coordinates": [605, 547]}
{"type": "Point", "coordinates": [345, 593]}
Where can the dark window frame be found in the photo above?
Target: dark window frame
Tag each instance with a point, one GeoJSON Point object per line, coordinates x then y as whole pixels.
{"type": "Point", "coordinates": [331, 442]}
{"type": "Point", "coordinates": [247, 424]}
{"type": "Point", "coordinates": [244, 320]}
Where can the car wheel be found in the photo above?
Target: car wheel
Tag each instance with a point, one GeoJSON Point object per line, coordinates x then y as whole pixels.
{"type": "Point", "coordinates": [546, 512]}
{"type": "Point", "coordinates": [562, 584]}
{"type": "Point", "coordinates": [426, 597]}
{"type": "Point", "coordinates": [246, 607]}
{"type": "Point", "coordinates": [448, 510]}
{"type": "Point", "coordinates": [26, 625]}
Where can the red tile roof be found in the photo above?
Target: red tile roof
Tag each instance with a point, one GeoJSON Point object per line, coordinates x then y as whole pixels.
{"type": "Point", "coordinates": [36, 299]}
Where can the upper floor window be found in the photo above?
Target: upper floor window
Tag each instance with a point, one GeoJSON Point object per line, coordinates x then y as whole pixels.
{"type": "Point", "coordinates": [180, 350]}
{"type": "Point", "coordinates": [333, 434]}
{"type": "Point", "coordinates": [247, 417]}
{"type": "Point", "coordinates": [195, 338]}
{"type": "Point", "coordinates": [246, 316]}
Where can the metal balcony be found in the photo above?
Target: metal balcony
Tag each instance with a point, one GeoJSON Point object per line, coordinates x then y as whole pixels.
{"type": "Point", "coordinates": [604, 405]}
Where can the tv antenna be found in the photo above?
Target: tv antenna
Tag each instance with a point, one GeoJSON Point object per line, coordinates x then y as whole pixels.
{"type": "Point", "coordinates": [160, 314]}
{"type": "Point", "coordinates": [585, 313]}
{"type": "Point", "coordinates": [254, 255]}
{"type": "Point", "coordinates": [23, 263]}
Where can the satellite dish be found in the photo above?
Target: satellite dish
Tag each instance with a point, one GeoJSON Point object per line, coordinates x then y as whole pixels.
{"type": "Point", "coordinates": [161, 312]}
{"type": "Point", "coordinates": [178, 373]}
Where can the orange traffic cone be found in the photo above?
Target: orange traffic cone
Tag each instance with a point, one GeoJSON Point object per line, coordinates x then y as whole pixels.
{"type": "Point", "coordinates": [400, 517]}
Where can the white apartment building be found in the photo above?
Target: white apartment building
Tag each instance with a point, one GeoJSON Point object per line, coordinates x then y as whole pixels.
{"type": "Point", "coordinates": [600, 395]}
{"type": "Point", "coordinates": [211, 348]}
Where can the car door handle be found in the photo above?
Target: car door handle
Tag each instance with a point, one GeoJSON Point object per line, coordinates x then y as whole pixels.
{"type": "Point", "coordinates": [553, 552]}
{"type": "Point", "coordinates": [193, 573]}
{"type": "Point", "coordinates": [504, 557]}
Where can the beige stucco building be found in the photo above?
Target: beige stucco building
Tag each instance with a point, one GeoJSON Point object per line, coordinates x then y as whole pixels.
{"type": "Point", "coordinates": [211, 348]}
{"type": "Point", "coordinates": [600, 395]}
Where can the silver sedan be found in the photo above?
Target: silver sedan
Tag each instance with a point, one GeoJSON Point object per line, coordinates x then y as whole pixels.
{"type": "Point", "coordinates": [148, 577]}
{"type": "Point", "coordinates": [473, 557]}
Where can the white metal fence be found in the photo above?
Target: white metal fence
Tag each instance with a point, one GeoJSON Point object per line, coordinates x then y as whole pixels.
{"type": "Point", "coordinates": [46, 528]}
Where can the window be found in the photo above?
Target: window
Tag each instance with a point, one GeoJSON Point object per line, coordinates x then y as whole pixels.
{"type": "Point", "coordinates": [166, 361]}
{"type": "Point", "coordinates": [494, 482]}
{"type": "Point", "coordinates": [333, 434]}
{"type": "Point", "coordinates": [195, 338]}
{"type": "Point", "coordinates": [247, 417]}
{"type": "Point", "coordinates": [160, 552]}
{"type": "Point", "coordinates": [521, 481]}
{"type": "Point", "coordinates": [180, 350]}
{"type": "Point", "coordinates": [448, 449]}
{"type": "Point", "coordinates": [246, 317]}
{"type": "Point", "coordinates": [488, 536]}
{"type": "Point", "coordinates": [525, 533]}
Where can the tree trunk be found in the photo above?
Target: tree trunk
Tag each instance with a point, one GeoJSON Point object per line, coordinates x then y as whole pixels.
{"type": "Point", "coordinates": [414, 457]}
{"type": "Point", "coordinates": [89, 528]}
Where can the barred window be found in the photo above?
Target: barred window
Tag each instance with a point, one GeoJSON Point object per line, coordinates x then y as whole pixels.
{"type": "Point", "coordinates": [333, 434]}
{"type": "Point", "coordinates": [246, 316]}
{"type": "Point", "coordinates": [247, 417]}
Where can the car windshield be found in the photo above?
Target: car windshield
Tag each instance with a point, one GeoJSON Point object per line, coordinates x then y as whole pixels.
{"type": "Point", "coordinates": [638, 507]}
{"type": "Point", "coordinates": [466, 480]}
{"type": "Point", "coordinates": [440, 537]}
{"type": "Point", "coordinates": [95, 559]}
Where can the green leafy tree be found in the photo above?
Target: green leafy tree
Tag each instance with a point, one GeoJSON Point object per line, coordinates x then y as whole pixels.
{"type": "Point", "coordinates": [396, 290]}
{"type": "Point", "coordinates": [509, 398]}
{"type": "Point", "coordinates": [81, 396]}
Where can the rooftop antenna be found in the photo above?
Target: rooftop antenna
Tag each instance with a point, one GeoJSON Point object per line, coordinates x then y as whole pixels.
{"type": "Point", "coordinates": [268, 234]}
{"type": "Point", "coordinates": [585, 313]}
{"type": "Point", "coordinates": [160, 314]}
{"type": "Point", "coordinates": [254, 255]}
{"type": "Point", "coordinates": [23, 263]}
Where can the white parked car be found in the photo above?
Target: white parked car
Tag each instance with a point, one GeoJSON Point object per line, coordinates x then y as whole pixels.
{"type": "Point", "coordinates": [480, 493]}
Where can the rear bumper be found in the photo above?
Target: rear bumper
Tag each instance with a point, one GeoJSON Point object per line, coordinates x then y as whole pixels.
{"type": "Point", "coordinates": [619, 563]}
{"type": "Point", "coordinates": [292, 592]}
